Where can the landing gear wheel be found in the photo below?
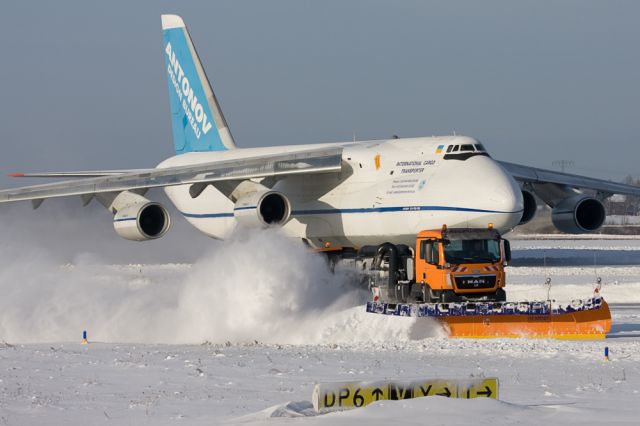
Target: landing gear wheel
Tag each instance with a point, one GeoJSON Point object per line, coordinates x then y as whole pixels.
{"type": "Point", "coordinates": [332, 260]}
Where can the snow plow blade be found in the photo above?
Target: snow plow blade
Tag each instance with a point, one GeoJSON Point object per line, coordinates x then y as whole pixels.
{"type": "Point", "coordinates": [581, 320]}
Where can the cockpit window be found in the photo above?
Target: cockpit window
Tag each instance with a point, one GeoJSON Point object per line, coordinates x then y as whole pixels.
{"type": "Point", "coordinates": [466, 151]}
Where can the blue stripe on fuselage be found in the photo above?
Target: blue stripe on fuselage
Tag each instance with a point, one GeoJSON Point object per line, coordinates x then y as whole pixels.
{"type": "Point", "coordinates": [206, 215]}
{"type": "Point", "coordinates": [358, 210]}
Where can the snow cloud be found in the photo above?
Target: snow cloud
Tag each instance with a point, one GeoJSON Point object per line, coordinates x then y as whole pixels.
{"type": "Point", "coordinates": [256, 286]}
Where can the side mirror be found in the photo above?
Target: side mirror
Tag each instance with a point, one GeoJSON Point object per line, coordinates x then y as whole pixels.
{"type": "Point", "coordinates": [507, 251]}
{"type": "Point", "coordinates": [429, 253]}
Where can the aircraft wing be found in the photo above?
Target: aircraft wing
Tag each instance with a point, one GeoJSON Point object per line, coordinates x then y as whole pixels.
{"type": "Point", "coordinates": [534, 175]}
{"type": "Point", "coordinates": [325, 160]}
{"type": "Point", "coordinates": [85, 174]}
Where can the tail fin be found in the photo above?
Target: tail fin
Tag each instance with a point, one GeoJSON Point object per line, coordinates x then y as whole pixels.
{"type": "Point", "coordinates": [196, 117]}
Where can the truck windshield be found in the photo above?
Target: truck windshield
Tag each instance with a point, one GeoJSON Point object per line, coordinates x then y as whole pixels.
{"type": "Point", "coordinates": [471, 251]}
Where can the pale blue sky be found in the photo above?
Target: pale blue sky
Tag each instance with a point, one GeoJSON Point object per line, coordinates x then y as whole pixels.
{"type": "Point", "coordinates": [83, 84]}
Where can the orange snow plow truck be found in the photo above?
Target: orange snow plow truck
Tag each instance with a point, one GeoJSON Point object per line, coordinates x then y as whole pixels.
{"type": "Point", "coordinates": [461, 264]}
{"type": "Point", "coordinates": [457, 276]}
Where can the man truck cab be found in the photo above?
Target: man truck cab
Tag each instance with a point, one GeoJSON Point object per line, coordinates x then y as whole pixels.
{"type": "Point", "coordinates": [461, 264]}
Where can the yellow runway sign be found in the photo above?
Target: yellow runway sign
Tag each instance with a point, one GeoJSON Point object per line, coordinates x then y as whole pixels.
{"type": "Point", "coordinates": [342, 396]}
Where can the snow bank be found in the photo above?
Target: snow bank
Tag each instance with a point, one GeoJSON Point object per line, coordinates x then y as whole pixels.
{"type": "Point", "coordinates": [437, 410]}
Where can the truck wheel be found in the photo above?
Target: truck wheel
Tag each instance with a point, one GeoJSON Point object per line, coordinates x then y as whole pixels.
{"type": "Point", "coordinates": [501, 295]}
{"type": "Point", "coordinates": [429, 296]}
{"type": "Point", "coordinates": [424, 290]}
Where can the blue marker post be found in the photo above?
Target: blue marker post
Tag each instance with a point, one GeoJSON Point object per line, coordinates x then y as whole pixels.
{"type": "Point", "coordinates": [606, 353]}
{"type": "Point", "coordinates": [84, 338]}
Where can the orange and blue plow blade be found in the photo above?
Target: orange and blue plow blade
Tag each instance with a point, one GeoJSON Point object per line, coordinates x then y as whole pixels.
{"type": "Point", "coordinates": [579, 320]}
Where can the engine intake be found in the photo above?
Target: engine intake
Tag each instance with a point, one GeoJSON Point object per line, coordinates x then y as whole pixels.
{"type": "Point", "coordinates": [261, 209]}
{"type": "Point", "coordinates": [530, 207]}
{"type": "Point", "coordinates": [138, 219]}
{"type": "Point", "coordinates": [578, 214]}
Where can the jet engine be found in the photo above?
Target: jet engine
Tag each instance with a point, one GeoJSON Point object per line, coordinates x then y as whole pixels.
{"type": "Point", "coordinates": [530, 206]}
{"type": "Point", "coordinates": [262, 209]}
{"type": "Point", "coordinates": [578, 214]}
{"type": "Point", "coordinates": [139, 219]}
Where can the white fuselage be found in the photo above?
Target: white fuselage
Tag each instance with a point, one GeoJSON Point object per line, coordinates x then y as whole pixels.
{"type": "Point", "coordinates": [409, 187]}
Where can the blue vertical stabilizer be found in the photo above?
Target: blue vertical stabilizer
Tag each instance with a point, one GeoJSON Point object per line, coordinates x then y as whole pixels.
{"type": "Point", "coordinates": [196, 118]}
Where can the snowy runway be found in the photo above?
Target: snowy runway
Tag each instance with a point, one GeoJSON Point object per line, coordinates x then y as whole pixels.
{"type": "Point", "coordinates": [540, 381]}
{"type": "Point", "coordinates": [203, 362]}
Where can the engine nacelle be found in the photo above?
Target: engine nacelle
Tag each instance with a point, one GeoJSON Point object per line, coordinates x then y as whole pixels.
{"type": "Point", "coordinates": [263, 208]}
{"type": "Point", "coordinates": [530, 207]}
{"type": "Point", "coordinates": [138, 219]}
{"type": "Point", "coordinates": [578, 214]}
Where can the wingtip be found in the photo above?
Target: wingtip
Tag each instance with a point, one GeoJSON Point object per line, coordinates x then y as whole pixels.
{"type": "Point", "coordinates": [15, 174]}
{"type": "Point", "coordinates": [171, 21]}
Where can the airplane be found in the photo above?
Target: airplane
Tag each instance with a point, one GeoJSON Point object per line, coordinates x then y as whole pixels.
{"type": "Point", "coordinates": [331, 195]}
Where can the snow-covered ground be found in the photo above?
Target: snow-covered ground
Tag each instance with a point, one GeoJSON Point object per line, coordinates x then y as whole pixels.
{"type": "Point", "coordinates": [541, 382]}
{"type": "Point", "coordinates": [241, 336]}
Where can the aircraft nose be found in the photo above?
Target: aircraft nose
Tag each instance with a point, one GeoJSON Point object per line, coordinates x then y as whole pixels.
{"type": "Point", "coordinates": [498, 194]}
{"type": "Point", "coordinates": [502, 192]}
{"type": "Point", "coordinates": [481, 191]}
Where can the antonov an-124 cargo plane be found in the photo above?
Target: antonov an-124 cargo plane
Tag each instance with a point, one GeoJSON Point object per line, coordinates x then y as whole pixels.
{"type": "Point", "coordinates": [345, 194]}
